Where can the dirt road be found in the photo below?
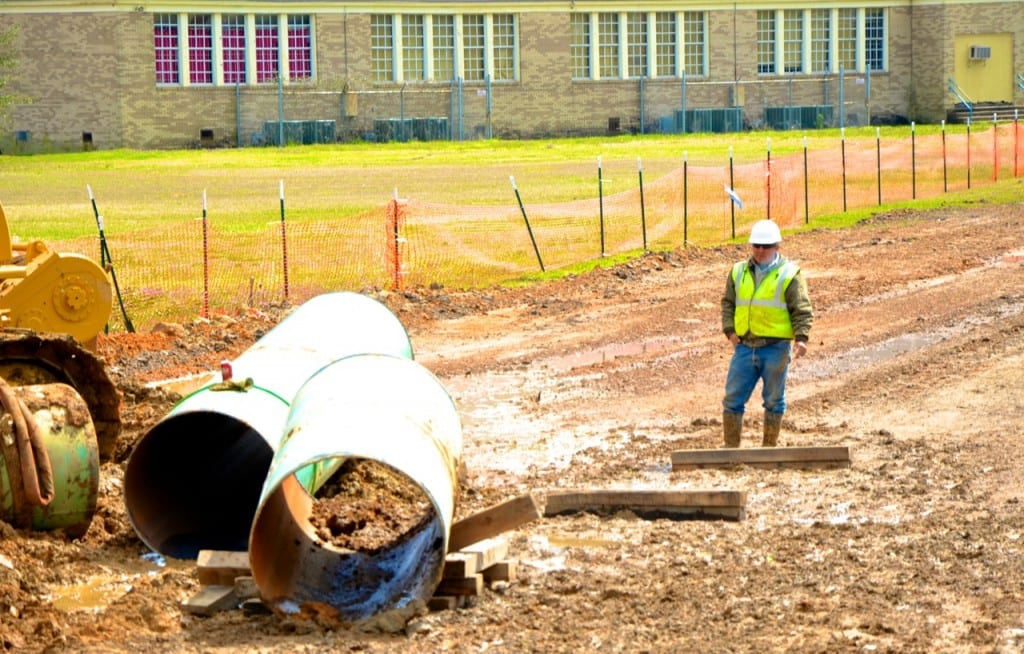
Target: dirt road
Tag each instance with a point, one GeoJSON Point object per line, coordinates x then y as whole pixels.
{"type": "Point", "coordinates": [915, 364]}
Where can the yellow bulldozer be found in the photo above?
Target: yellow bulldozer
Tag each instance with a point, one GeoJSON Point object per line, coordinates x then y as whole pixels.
{"type": "Point", "coordinates": [53, 307]}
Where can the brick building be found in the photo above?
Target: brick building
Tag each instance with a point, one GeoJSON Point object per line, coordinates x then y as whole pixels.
{"type": "Point", "coordinates": [184, 74]}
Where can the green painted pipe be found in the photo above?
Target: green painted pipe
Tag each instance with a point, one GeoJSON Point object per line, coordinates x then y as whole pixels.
{"type": "Point", "coordinates": [69, 438]}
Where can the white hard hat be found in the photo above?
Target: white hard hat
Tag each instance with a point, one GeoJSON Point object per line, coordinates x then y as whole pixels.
{"type": "Point", "coordinates": [765, 232]}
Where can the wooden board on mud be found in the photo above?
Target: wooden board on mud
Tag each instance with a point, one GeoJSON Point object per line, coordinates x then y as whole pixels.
{"type": "Point", "coordinates": [765, 457]}
{"type": "Point", "coordinates": [656, 503]}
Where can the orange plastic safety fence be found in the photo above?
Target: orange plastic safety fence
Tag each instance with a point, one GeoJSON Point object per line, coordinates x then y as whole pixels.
{"type": "Point", "coordinates": [163, 274]}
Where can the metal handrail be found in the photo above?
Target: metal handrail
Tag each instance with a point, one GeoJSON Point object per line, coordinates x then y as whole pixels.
{"type": "Point", "coordinates": [961, 96]}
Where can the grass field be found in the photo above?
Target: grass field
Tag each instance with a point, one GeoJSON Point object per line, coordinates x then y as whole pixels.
{"type": "Point", "coordinates": [46, 197]}
{"type": "Point", "coordinates": [464, 227]}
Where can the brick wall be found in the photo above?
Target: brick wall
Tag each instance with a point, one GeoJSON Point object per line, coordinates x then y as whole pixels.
{"type": "Point", "coordinates": [101, 81]}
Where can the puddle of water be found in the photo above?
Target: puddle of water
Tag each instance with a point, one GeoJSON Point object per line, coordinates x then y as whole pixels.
{"type": "Point", "coordinates": [98, 591]}
{"type": "Point", "coordinates": [93, 595]}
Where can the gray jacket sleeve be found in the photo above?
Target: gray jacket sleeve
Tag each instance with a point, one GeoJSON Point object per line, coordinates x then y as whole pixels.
{"type": "Point", "coordinates": [801, 314]}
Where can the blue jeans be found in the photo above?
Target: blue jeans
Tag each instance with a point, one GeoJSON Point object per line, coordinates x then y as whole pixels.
{"type": "Point", "coordinates": [769, 364]}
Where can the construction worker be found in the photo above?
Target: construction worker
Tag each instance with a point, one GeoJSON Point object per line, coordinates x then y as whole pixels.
{"type": "Point", "coordinates": [766, 315]}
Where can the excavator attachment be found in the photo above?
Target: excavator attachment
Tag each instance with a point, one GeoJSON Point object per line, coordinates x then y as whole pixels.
{"type": "Point", "coordinates": [47, 291]}
{"type": "Point", "coordinates": [52, 308]}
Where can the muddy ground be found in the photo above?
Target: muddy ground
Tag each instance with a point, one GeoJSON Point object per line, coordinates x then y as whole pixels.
{"type": "Point", "coordinates": [916, 365]}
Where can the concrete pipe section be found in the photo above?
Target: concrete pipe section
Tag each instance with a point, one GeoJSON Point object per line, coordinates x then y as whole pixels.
{"type": "Point", "coordinates": [49, 459]}
{"type": "Point", "coordinates": [377, 542]}
{"type": "Point", "coordinates": [193, 481]}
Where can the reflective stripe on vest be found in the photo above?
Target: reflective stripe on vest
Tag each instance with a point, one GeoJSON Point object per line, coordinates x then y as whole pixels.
{"type": "Point", "coordinates": [762, 311]}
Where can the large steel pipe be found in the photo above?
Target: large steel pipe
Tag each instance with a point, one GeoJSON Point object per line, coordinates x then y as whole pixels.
{"type": "Point", "coordinates": [374, 408]}
{"type": "Point", "coordinates": [193, 480]}
{"type": "Point", "coordinates": [66, 432]}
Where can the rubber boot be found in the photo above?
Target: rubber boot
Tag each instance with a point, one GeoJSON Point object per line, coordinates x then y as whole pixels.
{"type": "Point", "coordinates": [772, 425]}
{"type": "Point", "coordinates": [732, 426]}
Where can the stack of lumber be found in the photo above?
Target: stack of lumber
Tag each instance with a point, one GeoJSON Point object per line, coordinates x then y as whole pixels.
{"type": "Point", "coordinates": [468, 571]}
{"type": "Point", "coordinates": [226, 581]}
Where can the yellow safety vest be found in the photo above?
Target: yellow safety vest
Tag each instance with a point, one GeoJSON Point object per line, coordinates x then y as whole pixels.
{"type": "Point", "coordinates": [762, 311]}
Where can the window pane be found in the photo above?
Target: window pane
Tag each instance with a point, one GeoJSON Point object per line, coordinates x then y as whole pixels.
{"type": "Point", "coordinates": [233, 48]}
{"type": "Point", "coordinates": [636, 44]}
{"type": "Point", "coordinates": [165, 46]}
{"type": "Point", "coordinates": [473, 47]}
{"type": "Point", "coordinates": [664, 44]}
{"type": "Point", "coordinates": [579, 45]}
{"type": "Point", "coordinates": [765, 42]}
{"type": "Point", "coordinates": [874, 39]}
{"type": "Point", "coordinates": [200, 49]}
{"type": "Point", "coordinates": [821, 22]}
{"type": "Point", "coordinates": [793, 40]}
{"type": "Point", "coordinates": [608, 45]}
{"type": "Point", "coordinates": [266, 49]}
{"type": "Point", "coordinates": [381, 48]}
{"type": "Point", "coordinates": [846, 39]}
{"type": "Point", "coordinates": [300, 48]}
{"type": "Point", "coordinates": [694, 42]}
{"type": "Point", "coordinates": [412, 48]}
{"type": "Point", "coordinates": [504, 46]}
{"type": "Point", "coordinates": [444, 47]}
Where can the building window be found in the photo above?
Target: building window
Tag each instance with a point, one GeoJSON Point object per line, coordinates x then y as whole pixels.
{"type": "Point", "coordinates": [857, 37]}
{"type": "Point", "coordinates": [266, 49]}
{"type": "Point", "coordinates": [579, 45]}
{"type": "Point", "coordinates": [413, 41]}
{"type": "Point", "coordinates": [200, 49]}
{"type": "Point", "coordinates": [300, 48]}
{"type": "Point", "coordinates": [444, 47]}
{"type": "Point", "coordinates": [765, 42]}
{"type": "Point", "coordinates": [636, 44]}
{"type": "Point", "coordinates": [793, 41]}
{"type": "Point", "coordinates": [473, 46]}
{"type": "Point", "coordinates": [608, 45]}
{"type": "Point", "coordinates": [215, 59]}
{"type": "Point", "coordinates": [648, 44]}
{"type": "Point", "coordinates": [473, 62]}
{"type": "Point", "coordinates": [694, 43]}
{"type": "Point", "coordinates": [503, 29]}
{"type": "Point", "coordinates": [821, 38]}
{"type": "Point", "coordinates": [165, 45]}
{"type": "Point", "coordinates": [874, 39]}
{"type": "Point", "coordinates": [846, 39]}
{"type": "Point", "coordinates": [232, 44]}
{"type": "Point", "coordinates": [664, 44]}
{"type": "Point", "coordinates": [382, 44]}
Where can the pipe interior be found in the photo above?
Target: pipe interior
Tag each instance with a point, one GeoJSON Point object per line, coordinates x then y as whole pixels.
{"type": "Point", "coordinates": [294, 562]}
{"type": "Point", "coordinates": [194, 483]}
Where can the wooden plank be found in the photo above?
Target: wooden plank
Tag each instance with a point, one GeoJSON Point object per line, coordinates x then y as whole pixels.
{"type": "Point", "coordinates": [780, 457]}
{"type": "Point", "coordinates": [221, 567]}
{"type": "Point", "coordinates": [500, 571]}
{"type": "Point", "coordinates": [474, 558]}
{"type": "Point", "coordinates": [442, 602]}
{"type": "Point", "coordinates": [245, 588]}
{"type": "Point", "coordinates": [487, 552]}
{"type": "Point", "coordinates": [493, 521]}
{"type": "Point", "coordinates": [457, 565]}
{"type": "Point", "coordinates": [211, 599]}
{"type": "Point", "coordinates": [471, 585]}
{"type": "Point", "coordinates": [725, 503]}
